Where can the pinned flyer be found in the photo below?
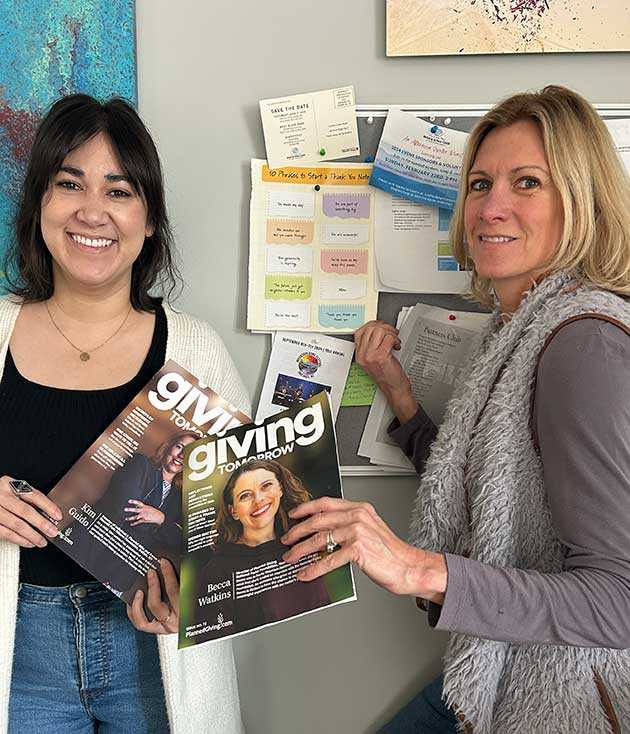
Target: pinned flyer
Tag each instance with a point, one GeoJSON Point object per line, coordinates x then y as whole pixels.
{"type": "Point", "coordinates": [419, 160]}
{"type": "Point", "coordinates": [307, 128]}
{"type": "Point", "coordinates": [302, 365]}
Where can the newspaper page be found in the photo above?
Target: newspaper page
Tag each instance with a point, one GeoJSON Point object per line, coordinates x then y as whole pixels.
{"type": "Point", "coordinates": [122, 500]}
{"type": "Point", "coordinates": [238, 491]}
{"type": "Point", "coordinates": [435, 344]}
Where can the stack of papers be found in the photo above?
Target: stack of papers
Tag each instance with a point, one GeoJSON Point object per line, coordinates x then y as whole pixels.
{"type": "Point", "coordinates": [435, 345]}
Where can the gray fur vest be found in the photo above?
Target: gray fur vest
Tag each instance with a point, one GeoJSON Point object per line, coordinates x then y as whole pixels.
{"type": "Point", "coordinates": [482, 495]}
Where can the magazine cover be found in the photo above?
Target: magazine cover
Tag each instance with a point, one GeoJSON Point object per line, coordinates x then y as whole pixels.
{"type": "Point", "coordinates": [122, 500]}
{"type": "Point", "coordinates": [238, 491]}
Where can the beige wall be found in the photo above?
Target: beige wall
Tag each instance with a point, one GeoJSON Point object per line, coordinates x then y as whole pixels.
{"type": "Point", "coordinates": [203, 65]}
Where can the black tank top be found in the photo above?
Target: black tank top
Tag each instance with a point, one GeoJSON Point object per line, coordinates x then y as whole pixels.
{"type": "Point", "coordinates": [44, 430]}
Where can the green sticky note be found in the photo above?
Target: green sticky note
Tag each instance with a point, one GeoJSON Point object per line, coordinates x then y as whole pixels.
{"type": "Point", "coordinates": [359, 389]}
{"type": "Point", "coordinates": [288, 287]}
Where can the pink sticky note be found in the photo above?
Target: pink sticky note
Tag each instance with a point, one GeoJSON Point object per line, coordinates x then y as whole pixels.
{"type": "Point", "coordinates": [345, 261]}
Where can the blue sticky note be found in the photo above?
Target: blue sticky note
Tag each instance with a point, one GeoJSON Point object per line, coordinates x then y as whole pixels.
{"type": "Point", "coordinates": [341, 316]}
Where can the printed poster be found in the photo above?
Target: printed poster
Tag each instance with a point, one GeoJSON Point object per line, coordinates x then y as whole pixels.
{"type": "Point", "coordinates": [419, 160]}
{"type": "Point", "coordinates": [302, 365]}
{"type": "Point", "coordinates": [311, 251]}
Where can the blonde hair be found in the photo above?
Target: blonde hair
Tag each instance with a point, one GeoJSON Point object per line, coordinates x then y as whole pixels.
{"type": "Point", "coordinates": [593, 185]}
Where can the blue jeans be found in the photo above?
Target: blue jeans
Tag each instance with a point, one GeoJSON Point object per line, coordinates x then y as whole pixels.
{"type": "Point", "coordinates": [80, 667]}
{"type": "Point", "coordinates": [425, 714]}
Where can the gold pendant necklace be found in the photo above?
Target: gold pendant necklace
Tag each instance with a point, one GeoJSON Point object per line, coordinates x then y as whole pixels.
{"type": "Point", "coordinates": [85, 355]}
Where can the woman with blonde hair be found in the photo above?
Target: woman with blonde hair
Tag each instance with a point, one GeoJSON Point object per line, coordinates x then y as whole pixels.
{"type": "Point", "coordinates": [519, 540]}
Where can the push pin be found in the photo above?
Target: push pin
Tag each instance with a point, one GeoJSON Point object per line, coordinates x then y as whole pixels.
{"type": "Point", "coordinates": [368, 158]}
{"type": "Point", "coordinates": [447, 120]}
{"type": "Point", "coordinates": [452, 317]}
{"type": "Point", "coordinates": [317, 187]}
{"type": "Point", "coordinates": [370, 120]}
{"type": "Point", "coordinates": [434, 129]}
{"type": "Point", "coordinates": [322, 151]}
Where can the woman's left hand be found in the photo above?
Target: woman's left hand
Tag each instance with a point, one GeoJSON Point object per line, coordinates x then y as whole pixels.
{"type": "Point", "coordinates": [363, 538]}
{"type": "Point", "coordinates": [166, 615]}
{"type": "Point", "coordinates": [139, 513]}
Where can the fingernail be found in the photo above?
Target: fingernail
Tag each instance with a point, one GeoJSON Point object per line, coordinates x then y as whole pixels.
{"type": "Point", "coordinates": [283, 539]}
{"type": "Point", "coordinates": [42, 543]}
{"type": "Point", "coordinates": [285, 556]}
{"type": "Point", "coordinates": [51, 530]}
{"type": "Point", "coordinates": [292, 512]}
{"type": "Point", "coordinates": [162, 561]}
{"type": "Point", "coordinates": [138, 594]}
{"type": "Point", "coordinates": [300, 575]}
{"type": "Point", "coordinates": [58, 515]}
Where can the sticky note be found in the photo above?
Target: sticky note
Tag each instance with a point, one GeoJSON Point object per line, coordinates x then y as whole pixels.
{"type": "Point", "coordinates": [299, 204]}
{"type": "Point", "coordinates": [293, 315]}
{"type": "Point", "coordinates": [343, 316]}
{"type": "Point", "coordinates": [347, 205]}
{"type": "Point", "coordinates": [360, 388]}
{"type": "Point", "coordinates": [332, 289]}
{"type": "Point", "coordinates": [344, 261]}
{"type": "Point", "coordinates": [288, 259]}
{"type": "Point", "coordinates": [286, 232]}
{"type": "Point", "coordinates": [345, 234]}
{"type": "Point", "coordinates": [287, 287]}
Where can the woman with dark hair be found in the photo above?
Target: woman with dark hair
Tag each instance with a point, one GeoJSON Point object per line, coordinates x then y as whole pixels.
{"type": "Point", "coordinates": [256, 502]}
{"type": "Point", "coordinates": [253, 515]}
{"type": "Point", "coordinates": [519, 535]}
{"type": "Point", "coordinates": [83, 331]}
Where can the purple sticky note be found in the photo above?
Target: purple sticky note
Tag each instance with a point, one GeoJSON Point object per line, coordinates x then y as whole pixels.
{"type": "Point", "coordinates": [347, 206]}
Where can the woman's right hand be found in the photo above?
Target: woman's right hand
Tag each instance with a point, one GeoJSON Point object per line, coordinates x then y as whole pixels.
{"type": "Point", "coordinates": [375, 343]}
{"type": "Point", "coordinates": [20, 523]}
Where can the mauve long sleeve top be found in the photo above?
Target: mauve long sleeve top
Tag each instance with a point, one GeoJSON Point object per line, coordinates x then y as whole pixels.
{"type": "Point", "coordinates": [581, 420]}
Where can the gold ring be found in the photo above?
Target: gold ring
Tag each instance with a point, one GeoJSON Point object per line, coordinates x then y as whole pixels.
{"type": "Point", "coordinates": [166, 620]}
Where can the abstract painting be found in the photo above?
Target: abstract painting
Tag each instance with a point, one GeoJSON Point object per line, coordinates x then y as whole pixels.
{"type": "Point", "coordinates": [49, 49]}
{"type": "Point", "coordinates": [452, 27]}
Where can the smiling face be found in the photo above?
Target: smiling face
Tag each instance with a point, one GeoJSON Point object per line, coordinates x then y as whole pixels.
{"type": "Point", "coordinates": [174, 459]}
{"type": "Point", "coordinates": [93, 221]}
{"type": "Point", "coordinates": [256, 498]}
{"type": "Point", "coordinates": [513, 212]}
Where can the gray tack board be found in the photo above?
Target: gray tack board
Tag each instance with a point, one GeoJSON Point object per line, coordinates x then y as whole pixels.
{"type": "Point", "coordinates": [370, 121]}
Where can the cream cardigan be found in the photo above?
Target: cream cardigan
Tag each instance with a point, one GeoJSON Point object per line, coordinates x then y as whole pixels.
{"type": "Point", "coordinates": [199, 682]}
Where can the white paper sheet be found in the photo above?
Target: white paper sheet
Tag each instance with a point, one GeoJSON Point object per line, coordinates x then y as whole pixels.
{"type": "Point", "coordinates": [302, 365]}
{"type": "Point", "coordinates": [302, 129]}
{"type": "Point", "coordinates": [620, 131]}
{"type": "Point", "coordinates": [435, 347]}
{"type": "Point", "coordinates": [412, 250]}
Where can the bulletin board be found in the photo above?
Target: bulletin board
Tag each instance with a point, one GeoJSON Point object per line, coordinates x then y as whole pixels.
{"type": "Point", "coordinates": [370, 121]}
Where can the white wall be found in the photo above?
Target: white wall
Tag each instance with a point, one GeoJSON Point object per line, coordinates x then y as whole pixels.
{"type": "Point", "coordinates": [203, 65]}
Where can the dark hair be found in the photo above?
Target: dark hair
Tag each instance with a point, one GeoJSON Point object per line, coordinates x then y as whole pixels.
{"type": "Point", "coordinates": [69, 123]}
{"type": "Point", "coordinates": [293, 494]}
{"type": "Point", "coordinates": [164, 449]}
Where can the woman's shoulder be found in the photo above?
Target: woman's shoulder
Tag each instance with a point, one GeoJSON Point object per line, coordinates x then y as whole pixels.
{"type": "Point", "coordinates": [195, 345]}
{"type": "Point", "coordinates": [590, 344]}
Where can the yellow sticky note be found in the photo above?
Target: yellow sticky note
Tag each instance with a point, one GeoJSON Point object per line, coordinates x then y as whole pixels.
{"type": "Point", "coordinates": [359, 389]}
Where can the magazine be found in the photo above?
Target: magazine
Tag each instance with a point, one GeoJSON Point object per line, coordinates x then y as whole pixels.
{"type": "Point", "coordinates": [121, 501]}
{"type": "Point", "coordinates": [238, 491]}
